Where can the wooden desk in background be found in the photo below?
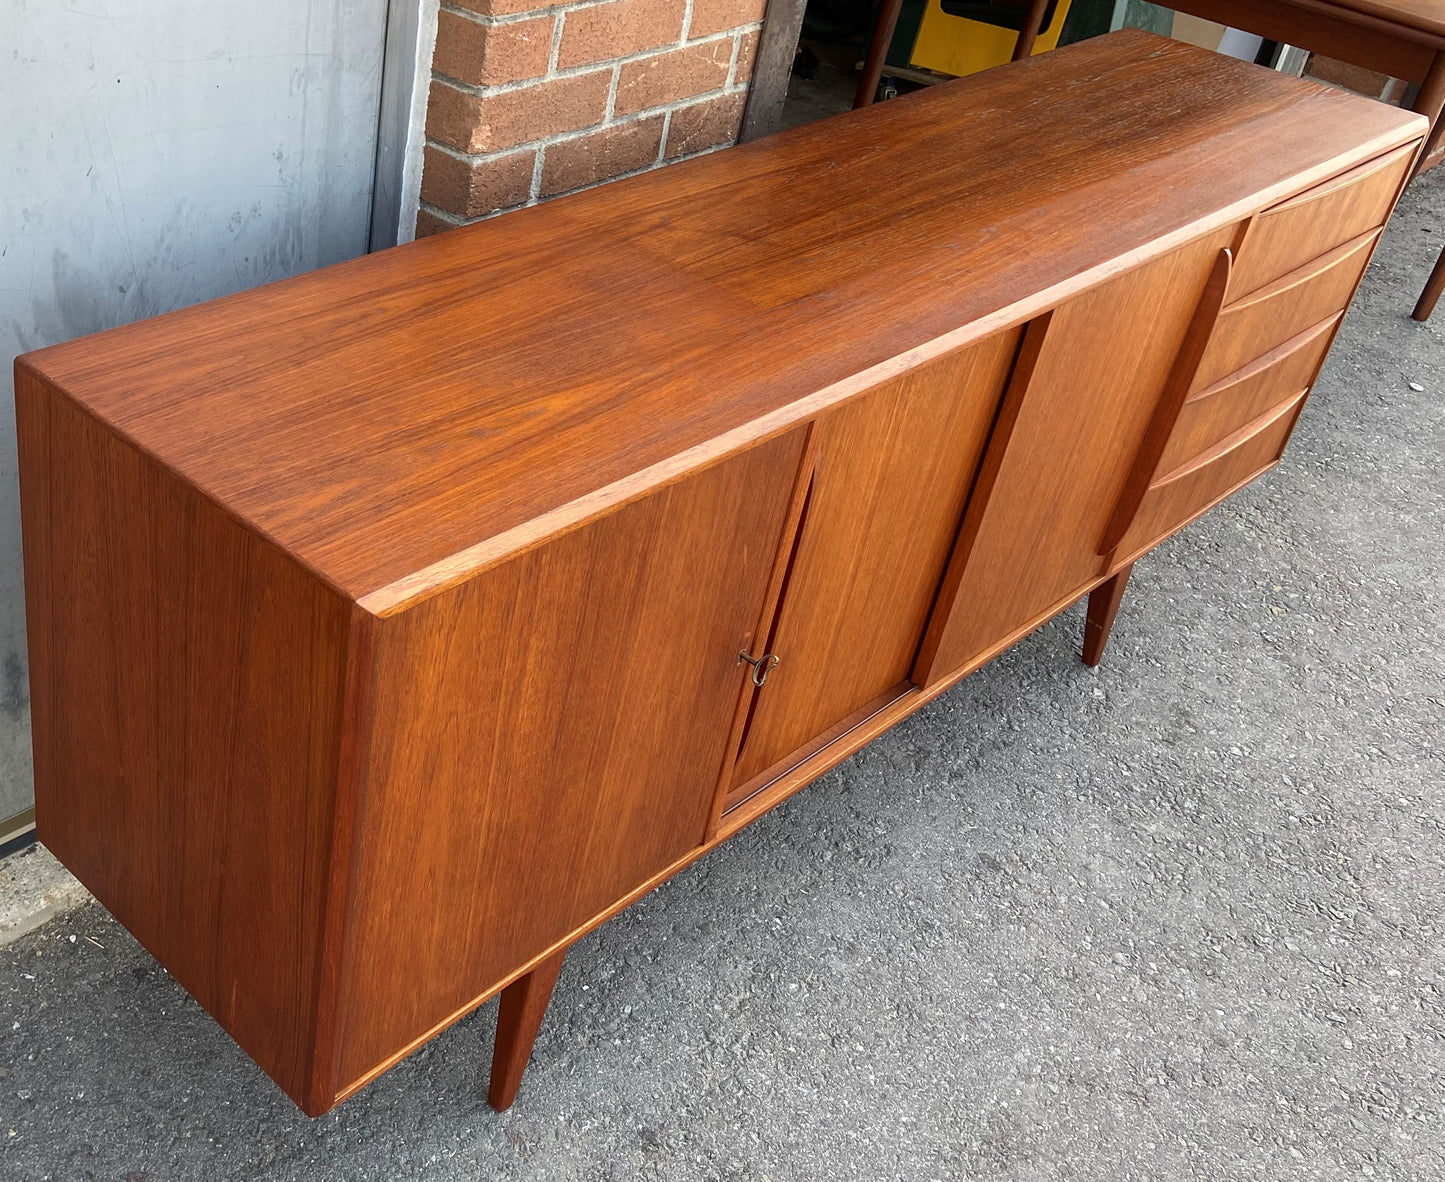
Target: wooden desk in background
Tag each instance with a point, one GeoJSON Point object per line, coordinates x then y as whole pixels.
{"type": "Point", "coordinates": [1402, 38]}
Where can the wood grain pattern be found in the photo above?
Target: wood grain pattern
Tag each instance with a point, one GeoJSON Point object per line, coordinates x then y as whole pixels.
{"type": "Point", "coordinates": [403, 411]}
{"type": "Point", "coordinates": [196, 807]}
{"type": "Point", "coordinates": [928, 669]}
{"type": "Point", "coordinates": [1400, 38]}
{"type": "Point", "coordinates": [777, 581]}
{"type": "Point", "coordinates": [894, 470]}
{"type": "Point", "coordinates": [556, 734]}
{"type": "Point", "coordinates": [1073, 421]}
{"type": "Point", "coordinates": [744, 790]}
{"type": "Point", "coordinates": [1426, 16]}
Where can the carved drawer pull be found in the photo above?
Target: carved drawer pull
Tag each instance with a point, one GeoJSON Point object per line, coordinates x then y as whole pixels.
{"type": "Point", "coordinates": [762, 666]}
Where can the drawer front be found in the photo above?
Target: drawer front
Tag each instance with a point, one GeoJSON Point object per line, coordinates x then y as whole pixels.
{"type": "Point", "coordinates": [1249, 328]}
{"type": "Point", "coordinates": [1213, 414]}
{"type": "Point", "coordinates": [1291, 234]}
{"type": "Point", "coordinates": [1175, 499]}
{"type": "Point", "coordinates": [891, 479]}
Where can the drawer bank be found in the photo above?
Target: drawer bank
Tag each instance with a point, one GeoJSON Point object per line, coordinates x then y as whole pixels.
{"type": "Point", "coordinates": [394, 625]}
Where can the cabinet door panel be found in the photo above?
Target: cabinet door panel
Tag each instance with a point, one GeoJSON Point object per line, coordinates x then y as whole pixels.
{"type": "Point", "coordinates": [548, 737]}
{"type": "Point", "coordinates": [1081, 398]}
{"type": "Point", "coordinates": [893, 471]}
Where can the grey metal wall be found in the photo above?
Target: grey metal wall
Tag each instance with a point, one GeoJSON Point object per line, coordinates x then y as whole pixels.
{"type": "Point", "coordinates": [154, 153]}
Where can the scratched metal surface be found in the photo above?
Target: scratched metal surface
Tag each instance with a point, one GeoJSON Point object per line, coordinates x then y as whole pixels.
{"type": "Point", "coordinates": [153, 154]}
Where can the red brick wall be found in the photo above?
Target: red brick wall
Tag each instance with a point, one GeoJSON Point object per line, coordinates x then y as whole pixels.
{"type": "Point", "coordinates": [529, 102]}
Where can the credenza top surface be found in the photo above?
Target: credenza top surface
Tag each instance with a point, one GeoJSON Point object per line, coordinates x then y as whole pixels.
{"type": "Point", "coordinates": [400, 419]}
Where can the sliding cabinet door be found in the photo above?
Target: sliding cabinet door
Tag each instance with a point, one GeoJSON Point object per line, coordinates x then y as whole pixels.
{"type": "Point", "coordinates": [1089, 376]}
{"type": "Point", "coordinates": [891, 474]}
{"type": "Point", "coordinates": [549, 736]}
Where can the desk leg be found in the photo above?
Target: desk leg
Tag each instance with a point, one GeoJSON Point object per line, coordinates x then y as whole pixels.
{"type": "Point", "coordinates": [524, 1002]}
{"type": "Point", "coordinates": [1104, 603]}
{"type": "Point", "coordinates": [1429, 102]}
{"type": "Point", "coordinates": [1028, 34]}
{"type": "Point", "coordinates": [877, 52]}
{"type": "Point", "coordinates": [1431, 295]}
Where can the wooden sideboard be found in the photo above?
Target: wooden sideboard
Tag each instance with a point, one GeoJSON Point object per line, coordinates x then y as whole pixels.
{"type": "Point", "coordinates": [393, 626]}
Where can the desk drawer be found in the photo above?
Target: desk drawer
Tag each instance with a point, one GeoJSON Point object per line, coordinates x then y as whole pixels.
{"type": "Point", "coordinates": [1287, 236]}
{"type": "Point", "coordinates": [1249, 328]}
{"type": "Point", "coordinates": [1215, 413]}
{"type": "Point", "coordinates": [1181, 495]}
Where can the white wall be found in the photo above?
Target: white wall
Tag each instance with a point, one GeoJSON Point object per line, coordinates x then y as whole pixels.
{"type": "Point", "coordinates": [154, 153]}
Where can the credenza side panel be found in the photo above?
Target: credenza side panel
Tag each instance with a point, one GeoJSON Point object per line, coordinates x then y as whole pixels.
{"type": "Point", "coordinates": [186, 694]}
{"type": "Point", "coordinates": [549, 736]}
{"type": "Point", "coordinates": [893, 473]}
{"type": "Point", "coordinates": [1087, 382]}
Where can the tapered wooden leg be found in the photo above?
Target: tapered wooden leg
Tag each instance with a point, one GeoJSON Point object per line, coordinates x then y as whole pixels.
{"type": "Point", "coordinates": [1431, 295]}
{"type": "Point", "coordinates": [1103, 607]}
{"type": "Point", "coordinates": [884, 25]}
{"type": "Point", "coordinates": [1029, 33]}
{"type": "Point", "coordinates": [524, 1002]}
{"type": "Point", "coordinates": [1430, 101]}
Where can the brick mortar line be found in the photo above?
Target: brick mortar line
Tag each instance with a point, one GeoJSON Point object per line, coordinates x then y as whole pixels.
{"type": "Point", "coordinates": [488, 89]}
{"type": "Point", "coordinates": [577, 133]}
{"type": "Point", "coordinates": [691, 100]}
{"type": "Point", "coordinates": [555, 53]}
{"type": "Point", "coordinates": [530, 14]}
{"type": "Point", "coordinates": [500, 20]}
{"type": "Point", "coordinates": [452, 220]}
{"type": "Point", "coordinates": [534, 190]}
{"type": "Point", "coordinates": [622, 176]}
{"type": "Point", "coordinates": [609, 112]}
{"type": "Point", "coordinates": [479, 157]}
{"type": "Point", "coordinates": [666, 131]}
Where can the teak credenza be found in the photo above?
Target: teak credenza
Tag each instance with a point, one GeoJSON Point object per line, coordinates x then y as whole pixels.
{"type": "Point", "coordinates": [395, 625]}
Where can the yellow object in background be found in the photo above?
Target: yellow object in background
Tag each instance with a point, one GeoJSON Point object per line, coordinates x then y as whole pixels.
{"type": "Point", "coordinates": [953, 45]}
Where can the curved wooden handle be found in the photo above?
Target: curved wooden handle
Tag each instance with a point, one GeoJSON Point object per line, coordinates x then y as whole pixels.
{"type": "Point", "coordinates": [1166, 412]}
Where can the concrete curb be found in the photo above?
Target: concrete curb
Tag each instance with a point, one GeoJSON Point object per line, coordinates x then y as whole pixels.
{"type": "Point", "coordinates": [34, 888]}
